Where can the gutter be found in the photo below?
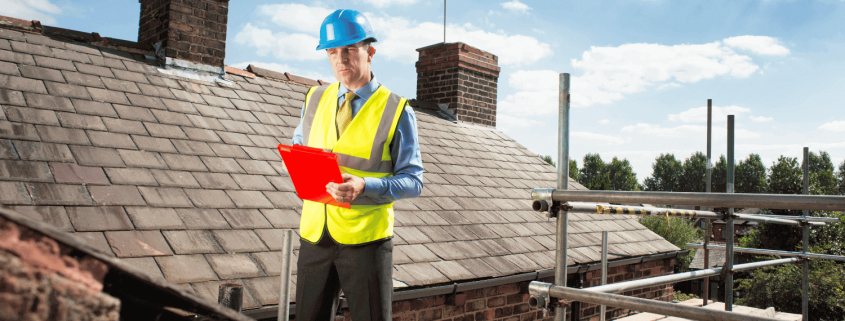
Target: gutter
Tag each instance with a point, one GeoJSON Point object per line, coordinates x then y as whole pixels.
{"type": "Point", "coordinates": [272, 311]}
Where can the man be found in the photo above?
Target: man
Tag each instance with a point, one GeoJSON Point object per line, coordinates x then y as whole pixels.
{"type": "Point", "coordinates": [374, 134]}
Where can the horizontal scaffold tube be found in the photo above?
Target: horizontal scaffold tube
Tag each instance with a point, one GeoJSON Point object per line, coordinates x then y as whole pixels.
{"type": "Point", "coordinates": [594, 208]}
{"type": "Point", "coordinates": [679, 277]}
{"type": "Point", "coordinates": [645, 305]}
{"type": "Point", "coordinates": [771, 252]}
{"type": "Point", "coordinates": [742, 200]}
{"type": "Point", "coordinates": [803, 218]}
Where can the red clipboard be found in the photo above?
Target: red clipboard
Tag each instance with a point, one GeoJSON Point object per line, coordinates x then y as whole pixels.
{"type": "Point", "coordinates": [311, 169]}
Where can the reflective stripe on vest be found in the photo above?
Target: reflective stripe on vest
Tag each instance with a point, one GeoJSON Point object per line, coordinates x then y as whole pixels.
{"type": "Point", "coordinates": [363, 150]}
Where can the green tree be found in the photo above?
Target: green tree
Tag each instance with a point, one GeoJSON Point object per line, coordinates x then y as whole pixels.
{"type": "Point", "coordinates": [822, 179]}
{"type": "Point", "coordinates": [694, 175]}
{"type": "Point", "coordinates": [678, 231]}
{"type": "Point", "coordinates": [719, 175]}
{"type": "Point", "coordinates": [548, 159]}
{"type": "Point", "coordinates": [840, 177]}
{"type": "Point", "coordinates": [621, 176]}
{"type": "Point", "coordinates": [750, 175]}
{"type": "Point", "coordinates": [593, 175]}
{"type": "Point", "coordinates": [666, 173]}
{"type": "Point", "coordinates": [785, 176]}
{"type": "Point", "coordinates": [780, 286]}
{"type": "Point", "coordinates": [573, 169]}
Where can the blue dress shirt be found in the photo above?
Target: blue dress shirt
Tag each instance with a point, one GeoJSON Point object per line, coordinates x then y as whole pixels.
{"type": "Point", "coordinates": [406, 181]}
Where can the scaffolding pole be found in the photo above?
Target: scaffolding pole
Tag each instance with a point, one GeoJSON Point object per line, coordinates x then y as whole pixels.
{"type": "Point", "coordinates": [805, 276]}
{"type": "Point", "coordinates": [706, 295]}
{"type": "Point", "coordinates": [562, 184]}
{"type": "Point", "coordinates": [771, 252]}
{"type": "Point", "coordinates": [604, 239]}
{"type": "Point", "coordinates": [773, 201]}
{"type": "Point", "coordinates": [596, 208]}
{"type": "Point", "coordinates": [645, 305]}
{"type": "Point", "coordinates": [729, 239]}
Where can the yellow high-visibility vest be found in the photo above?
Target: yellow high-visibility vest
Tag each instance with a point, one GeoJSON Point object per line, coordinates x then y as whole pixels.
{"type": "Point", "coordinates": [364, 151]}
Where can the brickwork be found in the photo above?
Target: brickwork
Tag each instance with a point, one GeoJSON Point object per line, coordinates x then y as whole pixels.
{"type": "Point", "coordinates": [462, 76]}
{"type": "Point", "coordinates": [628, 273]}
{"type": "Point", "coordinates": [509, 302]}
{"type": "Point", "coordinates": [193, 30]}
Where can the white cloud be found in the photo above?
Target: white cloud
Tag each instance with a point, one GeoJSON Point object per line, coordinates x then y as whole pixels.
{"type": "Point", "coordinates": [683, 131]}
{"type": "Point", "coordinates": [604, 121]}
{"type": "Point", "coordinates": [699, 114]}
{"type": "Point", "coordinates": [669, 85]}
{"type": "Point", "coordinates": [41, 10]}
{"type": "Point", "coordinates": [296, 16]}
{"type": "Point", "coordinates": [386, 3]}
{"type": "Point", "coordinates": [287, 68]}
{"type": "Point", "coordinates": [761, 119]}
{"type": "Point", "coordinates": [834, 126]}
{"type": "Point", "coordinates": [515, 6]}
{"type": "Point", "coordinates": [295, 46]}
{"type": "Point", "coordinates": [610, 73]}
{"type": "Point", "coordinates": [593, 138]}
{"type": "Point", "coordinates": [399, 38]}
{"type": "Point", "coordinates": [537, 93]}
{"type": "Point", "coordinates": [505, 122]}
{"type": "Point", "coordinates": [761, 45]}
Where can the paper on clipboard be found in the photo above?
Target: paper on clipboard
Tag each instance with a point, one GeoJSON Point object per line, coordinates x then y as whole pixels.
{"type": "Point", "coordinates": [311, 169]}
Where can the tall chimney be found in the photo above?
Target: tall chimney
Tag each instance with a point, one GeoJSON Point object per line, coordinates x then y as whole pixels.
{"type": "Point", "coordinates": [461, 76]}
{"type": "Point", "coordinates": [193, 30]}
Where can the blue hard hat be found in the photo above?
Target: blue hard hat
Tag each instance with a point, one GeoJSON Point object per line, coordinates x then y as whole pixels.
{"type": "Point", "coordinates": [344, 27]}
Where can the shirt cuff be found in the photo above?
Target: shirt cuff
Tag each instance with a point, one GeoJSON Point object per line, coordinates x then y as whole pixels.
{"type": "Point", "coordinates": [373, 187]}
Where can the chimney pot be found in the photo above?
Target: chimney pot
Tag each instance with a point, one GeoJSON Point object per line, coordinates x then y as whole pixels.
{"type": "Point", "coordinates": [191, 30]}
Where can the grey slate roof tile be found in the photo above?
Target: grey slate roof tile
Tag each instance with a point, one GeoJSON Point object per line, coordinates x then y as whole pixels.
{"type": "Point", "coordinates": [281, 218]}
{"type": "Point", "coordinates": [274, 237]}
{"type": "Point", "coordinates": [249, 199]}
{"type": "Point", "coordinates": [53, 215]}
{"type": "Point", "coordinates": [12, 193]}
{"type": "Point", "coordinates": [185, 268]}
{"type": "Point", "coordinates": [165, 196]}
{"type": "Point", "coordinates": [202, 219]}
{"type": "Point", "coordinates": [210, 291]}
{"type": "Point", "coordinates": [56, 194]}
{"type": "Point", "coordinates": [239, 241]}
{"type": "Point", "coordinates": [115, 195]}
{"type": "Point", "coordinates": [229, 266]}
{"type": "Point", "coordinates": [205, 198]}
{"type": "Point", "coordinates": [97, 240]}
{"type": "Point", "coordinates": [81, 106]}
{"type": "Point", "coordinates": [166, 178]}
{"type": "Point", "coordinates": [137, 243]}
{"type": "Point", "coordinates": [73, 120]}
{"type": "Point", "coordinates": [283, 199]}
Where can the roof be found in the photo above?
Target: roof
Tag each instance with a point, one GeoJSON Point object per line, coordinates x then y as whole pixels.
{"type": "Point", "coordinates": [180, 178]}
{"type": "Point", "coordinates": [717, 258]}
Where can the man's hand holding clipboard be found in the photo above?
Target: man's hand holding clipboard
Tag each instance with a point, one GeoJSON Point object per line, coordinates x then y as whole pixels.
{"type": "Point", "coordinates": [317, 177]}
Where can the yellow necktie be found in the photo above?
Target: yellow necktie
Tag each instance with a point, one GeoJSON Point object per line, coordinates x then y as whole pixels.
{"type": "Point", "coordinates": [344, 114]}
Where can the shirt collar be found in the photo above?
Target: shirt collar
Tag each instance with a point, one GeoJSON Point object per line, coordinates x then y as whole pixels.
{"type": "Point", "coordinates": [363, 92]}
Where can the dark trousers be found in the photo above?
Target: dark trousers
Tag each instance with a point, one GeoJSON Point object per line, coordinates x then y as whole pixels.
{"type": "Point", "coordinates": [364, 272]}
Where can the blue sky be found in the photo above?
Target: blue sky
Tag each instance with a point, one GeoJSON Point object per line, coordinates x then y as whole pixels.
{"type": "Point", "coordinates": [642, 70]}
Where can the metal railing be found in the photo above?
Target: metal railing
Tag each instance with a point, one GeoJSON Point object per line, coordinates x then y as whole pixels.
{"type": "Point", "coordinates": [559, 202]}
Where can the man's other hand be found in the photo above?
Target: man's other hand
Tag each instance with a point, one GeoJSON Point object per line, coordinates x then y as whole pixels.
{"type": "Point", "coordinates": [347, 192]}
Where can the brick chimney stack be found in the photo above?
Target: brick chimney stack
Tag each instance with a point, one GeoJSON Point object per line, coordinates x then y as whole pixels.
{"type": "Point", "coordinates": [463, 77]}
{"type": "Point", "coordinates": [193, 30]}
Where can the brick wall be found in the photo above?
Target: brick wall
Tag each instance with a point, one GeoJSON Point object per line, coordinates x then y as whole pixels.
{"type": "Point", "coordinates": [509, 302]}
{"type": "Point", "coordinates": [462, 76]}
{"type": "Point", "coordinates": [627, 273]}
{"type": "Point", "coordinates": [193, 30]}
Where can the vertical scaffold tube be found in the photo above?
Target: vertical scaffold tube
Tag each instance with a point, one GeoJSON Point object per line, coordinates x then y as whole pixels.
{"type": "Point", "coordinates": [729, 228]}
{"type": "Point", "coordinates": [707, 229]}
{"type": "Point", "coordinates": [604, 241]}
{"type": "Point", "coordinates": [805, 276]}
{"type": "Point", "coordinates": [562, 183]}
